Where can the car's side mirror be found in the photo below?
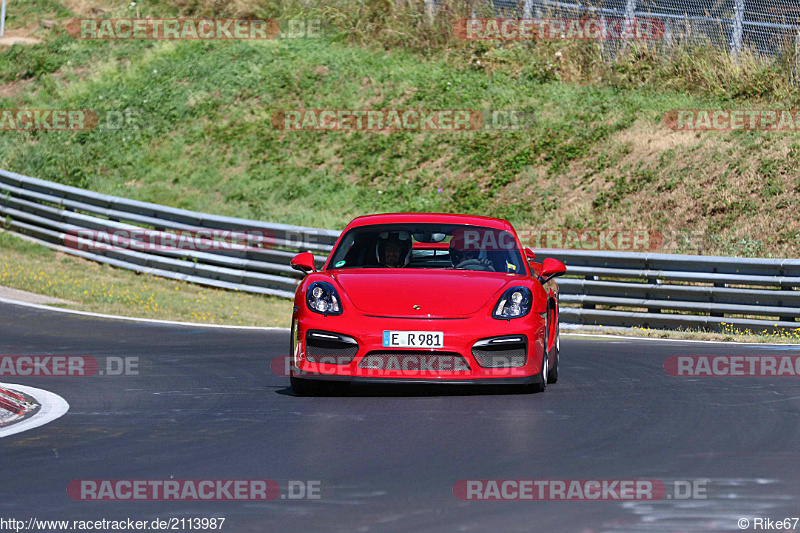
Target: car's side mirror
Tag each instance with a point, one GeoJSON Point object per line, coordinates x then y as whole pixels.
{"type": "Point", "coordinates": [552, 268]}
{"type": "Point", "coordinates": [304, 262]}
{"type": "Point", "coordinates": [529, 255]}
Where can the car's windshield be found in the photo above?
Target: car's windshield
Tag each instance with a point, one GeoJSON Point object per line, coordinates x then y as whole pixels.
{"type": "Point", "coordinates": [435, 246]}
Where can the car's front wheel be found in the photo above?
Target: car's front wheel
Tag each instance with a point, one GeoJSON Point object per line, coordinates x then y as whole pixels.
{"type": "Point", "coordinates": [547, 354]}
{"type": "Point", "coordinates": [552, 375]}
{"type": "Point", "coordinates": [542, 385]}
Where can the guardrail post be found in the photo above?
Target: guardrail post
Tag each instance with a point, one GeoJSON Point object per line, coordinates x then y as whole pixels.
{"type": "Point", "coordinates": [602, 42]}
{"type": "Point", "coordinates": [630, 17]}
{"type": "Point", "coordinates": [720, 315]}
{"type": "Point", "coordinates": [788, 318]}
{"type": "Point", "coordinates": [585, 305]}
{"type": "Point", "coordinates": [630, 8]}
{"type": "Point", "coordinates": [667, 34]}
{"type": "Point", "coordinates": [654, 281]}
{"type": "Point", "coordinates": [796, 69]}
{"type": "Point", "coordinates": [687, 27]}
{"type": "Point", "coordinates": [527, 9]}
{"type": "Point", "coordinates": [738, 19]}
{"type": "Point", "coordinates": [429, 9]}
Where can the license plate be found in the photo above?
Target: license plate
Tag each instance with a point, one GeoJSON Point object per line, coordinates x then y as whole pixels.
{"type": "Point", "coordinates": [413, 339]}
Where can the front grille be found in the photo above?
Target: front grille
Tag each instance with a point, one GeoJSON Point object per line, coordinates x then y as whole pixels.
{"type": "Point", "coordinates": [414, 360]}
{"type": "Point", "coordinates": [330, 348]}
{"type": "Point", "coordinates": [501, 352]}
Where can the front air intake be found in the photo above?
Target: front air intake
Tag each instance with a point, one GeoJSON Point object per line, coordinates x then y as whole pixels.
{"type": "Point", "coordinates": [330, 348]}
{"type": "Point", "coordinates": [510, 351]}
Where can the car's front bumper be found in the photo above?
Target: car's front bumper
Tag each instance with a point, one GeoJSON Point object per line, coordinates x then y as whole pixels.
{"type": "Point", "coordinates": [454, 362]}
{"type": "Point", "coordinates": [524, 380]}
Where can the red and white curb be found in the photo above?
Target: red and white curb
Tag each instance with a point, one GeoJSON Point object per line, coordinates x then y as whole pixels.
{"type": "Point", "coordinates": [13, 406]}
{"type": "Point", "coordinates": [51, 407]}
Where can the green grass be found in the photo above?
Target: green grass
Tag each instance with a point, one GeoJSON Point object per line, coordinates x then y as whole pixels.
{"type": "Point", "coordinates": [198, 134]}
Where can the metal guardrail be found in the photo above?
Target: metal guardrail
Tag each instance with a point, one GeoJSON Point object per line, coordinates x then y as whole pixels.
{"type": "Point", "coordinates": [53, 214]}
{"type": "Point", "coordinates": [602, 288]}
{"type": "Point", "coordinates": [669, 291]}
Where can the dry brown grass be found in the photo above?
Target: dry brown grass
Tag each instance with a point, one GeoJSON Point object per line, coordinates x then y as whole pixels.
{"type": "Point", "coordinates": [14, 88]}
{"type": "Point", "coordinates": [90, 8]}
{"type": "Point", "coordinates": [715, 188]}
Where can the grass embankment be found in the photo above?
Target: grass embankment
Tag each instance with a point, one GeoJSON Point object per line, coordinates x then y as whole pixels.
{"type": "Point", "coordinates": [198, 133]}
{"type": "Point", "coordinates": [598, 155]}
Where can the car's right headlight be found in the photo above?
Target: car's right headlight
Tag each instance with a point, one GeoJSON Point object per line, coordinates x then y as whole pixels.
{"type": "Point", "coordinates": [321, 297]}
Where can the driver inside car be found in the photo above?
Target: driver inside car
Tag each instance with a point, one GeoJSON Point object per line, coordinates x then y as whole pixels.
{"type": "Point", "coordinates": [392, 251]}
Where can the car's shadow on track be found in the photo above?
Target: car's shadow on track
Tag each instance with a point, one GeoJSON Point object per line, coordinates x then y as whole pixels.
{"type": "Point", "coordinates": [410, 390]}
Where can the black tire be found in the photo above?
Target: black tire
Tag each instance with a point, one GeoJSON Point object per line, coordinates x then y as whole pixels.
{"type": "Point", "coordinates": [545, 373]}
{"type": "Point", "coordinates": [542, 385]}
{"type": "Point", "coordinates": [552, 375]}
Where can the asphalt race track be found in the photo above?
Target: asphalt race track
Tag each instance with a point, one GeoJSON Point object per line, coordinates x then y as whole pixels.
{"type": "Point", "coordinates": [206, 405]}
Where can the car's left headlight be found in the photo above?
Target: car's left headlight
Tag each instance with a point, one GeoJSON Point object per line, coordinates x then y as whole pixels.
{"type": "Point", "coordinates": [514, 303]}
{"type": "Point", "coordinates": [321, 297]}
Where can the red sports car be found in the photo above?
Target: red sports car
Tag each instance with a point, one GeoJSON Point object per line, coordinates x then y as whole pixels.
{"type": "Point", "coordinates": [426, 298]}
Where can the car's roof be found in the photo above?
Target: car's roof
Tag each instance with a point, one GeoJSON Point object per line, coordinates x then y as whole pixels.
{"type": "Point", "coordinates": [432, 218]}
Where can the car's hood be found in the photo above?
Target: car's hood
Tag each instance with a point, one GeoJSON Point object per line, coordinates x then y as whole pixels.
{"type": "Point", "coordinates": [438, 293]}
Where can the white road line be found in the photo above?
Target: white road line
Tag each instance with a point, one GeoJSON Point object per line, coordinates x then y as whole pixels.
{"type": "Point", "coordinates": [132, 319]}
{"type": "Point", "coordinates": [52, 407]}
{"type": "Point", "coordinates": [610, 336]}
